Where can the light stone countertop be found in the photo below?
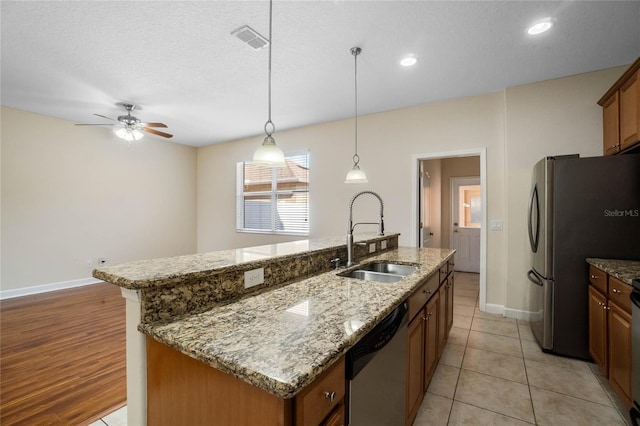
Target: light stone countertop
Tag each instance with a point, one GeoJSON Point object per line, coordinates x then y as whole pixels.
{"type": "Point", "coordinates": [170, 270]}
{"type": "Point", "coordinates": [281, 340]}
{"type": "Point", "coordinates": [624, 270]}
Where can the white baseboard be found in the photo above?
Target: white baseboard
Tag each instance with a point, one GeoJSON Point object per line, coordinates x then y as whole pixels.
{"type": "Point", "coordinates": [508, 312]}
{"type": "Point", "coordinates": [491, 308]}
{"type": "Point", "coordinates": [18, 292]}
{"type": "Point", "coordinates": [518, 314]}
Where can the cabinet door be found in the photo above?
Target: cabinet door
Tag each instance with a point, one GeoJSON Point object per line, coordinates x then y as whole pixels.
{"type": "Point", "coordinates": [630, 111]}
{"type": "Point", "coordinates": [431, 339]}
{"type": "Point", "coordinates": [415, 365]}
{"type": "Point", "coordinates": [336, 418]}
{"type": "Point", "coordinates": [620, 351]}
{"type": "Point", "coordinates": [611, 125]}
{"type": "Point", "coordinates": [450, 302]}
{"type": "Point", "coordinates": [442, 317]}
{"type": "Point", "coordinates": [598, 329]}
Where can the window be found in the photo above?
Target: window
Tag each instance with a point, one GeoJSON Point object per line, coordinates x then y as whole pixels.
{"type": "Point", "coordinates": [273, 200]}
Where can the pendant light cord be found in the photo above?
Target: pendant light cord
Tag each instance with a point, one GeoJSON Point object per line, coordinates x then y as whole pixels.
{"type": "Point", "coordinates": [266, 125]}
{"type": "Point", "coordinates": [355, 51]}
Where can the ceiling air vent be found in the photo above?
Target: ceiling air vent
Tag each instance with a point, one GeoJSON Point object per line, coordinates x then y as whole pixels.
{"type": "Point", "coordinates": [251, 37]}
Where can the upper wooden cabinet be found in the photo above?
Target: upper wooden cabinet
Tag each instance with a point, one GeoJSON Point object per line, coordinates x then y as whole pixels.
{"type": "Point", "coordinates": [621, 113]}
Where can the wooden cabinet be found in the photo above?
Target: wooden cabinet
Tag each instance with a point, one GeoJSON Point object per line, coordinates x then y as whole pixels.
{"type": "Point", "coordinates": [415, 365]}
{"type": "Point", "coordinates": [610, 330]}
{"type": "Point", "coordinates": [621, 113]}
{"type": "Point", "coordinates": [431, 314]}
{"type": "Point", "coordinates": [183, 390]}
{"type": "Point", "coordinates": [630, 111]}
{"type": "Point", "coordinates": [449, 305]}
{"type": "Point", "coordinates": [598, 329]}
{"type": "Point", "coordinates": [318, 399]}
{"type": "Point", "coordinates": [611, 125]}
{"type": "Point", "coordinates": [430, 339]}
{"type": "Point", "coordinates": [337, 418]}
{"type": "Point", "coordinates": [619, 330]}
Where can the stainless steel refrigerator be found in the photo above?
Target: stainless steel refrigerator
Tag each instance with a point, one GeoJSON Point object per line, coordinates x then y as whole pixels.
{"type": "Point", "coordinates": [578, 208]}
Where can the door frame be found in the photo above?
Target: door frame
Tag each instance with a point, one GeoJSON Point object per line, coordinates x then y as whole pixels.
{"type": "Point", "coordinates": [415, 169]}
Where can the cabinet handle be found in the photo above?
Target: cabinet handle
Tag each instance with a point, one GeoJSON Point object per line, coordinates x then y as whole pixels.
{"type": "Point", "coordinates": [424, 319]}
{"type": "Point", "coordinates": [330, 396]}
{"type": "Point", "coordinates": [594, 277]}
{"type": "Point", "coordinates": [606, 308]}
{"type": "Point", "coordinates": [615, 290]}
{"type": "Point", "coordinates": [600, 304]}
{"type": "Point", "coordinates": [426, 291]}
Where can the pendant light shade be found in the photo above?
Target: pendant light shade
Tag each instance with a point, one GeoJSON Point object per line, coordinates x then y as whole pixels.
{"type": "Point", "coordinates": [269, 154]}
{"type": "Point", "coordinates": [356, 175]}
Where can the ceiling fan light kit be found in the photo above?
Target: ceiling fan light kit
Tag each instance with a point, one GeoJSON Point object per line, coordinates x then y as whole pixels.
{"type": "Point", "coordinates": [269, 154]}
{"type": "Point", "coordinates": [130, 128]}
{"type": "Point", "coordinates": [355, 175]}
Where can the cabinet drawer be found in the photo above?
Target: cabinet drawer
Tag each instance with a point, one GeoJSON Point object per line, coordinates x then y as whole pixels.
{"type": "Point", "coordinates": [451, 263]}
{"type": "Point", "coordinates": [598, 279]}
{"type": "Point", "coordinates": [419, 297]}
{"type": "Point", "coordinates": [316, 401]}
{"type": "Point", "coordinates": [619, 293]}
{"type": "Point", "coordinates": [444, 271]}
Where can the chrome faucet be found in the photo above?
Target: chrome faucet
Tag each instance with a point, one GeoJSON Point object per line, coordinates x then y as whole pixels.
{"type": "Point", "coordinates": [352, 225]}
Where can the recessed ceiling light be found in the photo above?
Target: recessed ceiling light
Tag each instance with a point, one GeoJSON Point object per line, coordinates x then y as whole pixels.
{"type": "Point", "coordinates": [540, 27]}
{"type": "Point", "coordinates": [408, 61]}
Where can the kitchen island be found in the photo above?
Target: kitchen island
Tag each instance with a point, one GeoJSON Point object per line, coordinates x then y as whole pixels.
{"type": "Point", "coordinates": [279, 339]}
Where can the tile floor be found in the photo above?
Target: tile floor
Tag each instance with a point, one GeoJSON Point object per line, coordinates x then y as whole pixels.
{"type": "Point", "coordinates": [117, 418]}
{"type": "Point", "coordinates": [492, 372]}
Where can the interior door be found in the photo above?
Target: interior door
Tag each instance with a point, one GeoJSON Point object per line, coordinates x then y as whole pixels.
{"type": "Point", "coordinates": [466, 220]}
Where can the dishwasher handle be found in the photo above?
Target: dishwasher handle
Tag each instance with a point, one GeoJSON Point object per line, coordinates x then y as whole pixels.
{"type": "Point", "coordinates": [362, 352]}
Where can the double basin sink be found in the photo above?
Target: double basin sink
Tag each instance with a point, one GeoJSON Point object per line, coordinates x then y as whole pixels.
{"type": "Point", "coordinates": [381, 272]}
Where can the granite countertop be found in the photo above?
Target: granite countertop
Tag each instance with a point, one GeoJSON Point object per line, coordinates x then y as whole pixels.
{"type": "Point", "coordinates": [281, 340]}
{"type": "Point", "coordinates": [170, 270]}
{"type": "Point", "coordinates": [624, 270]}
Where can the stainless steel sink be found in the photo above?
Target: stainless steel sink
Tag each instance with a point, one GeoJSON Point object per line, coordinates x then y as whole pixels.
{"type": "Point", "coordinates": [381, 272]}
{"type": "Point", "coordinates": [390, 268]}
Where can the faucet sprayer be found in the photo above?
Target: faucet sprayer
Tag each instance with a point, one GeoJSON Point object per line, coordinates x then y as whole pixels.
{"type": "Point", "coordinates": [351, 225]}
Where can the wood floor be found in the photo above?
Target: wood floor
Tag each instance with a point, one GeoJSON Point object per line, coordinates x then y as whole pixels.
{"type": "Point", "coordinates": [62, 359]}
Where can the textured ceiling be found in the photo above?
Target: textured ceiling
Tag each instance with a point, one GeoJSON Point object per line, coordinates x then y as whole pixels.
{"type": "Point", "coordinates": [180, 64]}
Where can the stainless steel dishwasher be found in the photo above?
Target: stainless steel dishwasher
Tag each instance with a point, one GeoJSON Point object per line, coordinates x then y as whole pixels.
{"type": "Point", "coordinates": [376, 369]}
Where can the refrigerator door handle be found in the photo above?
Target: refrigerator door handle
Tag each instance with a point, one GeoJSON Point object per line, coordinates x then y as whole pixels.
{"type": "Point", "coordinates": [534, 278]}
{"type": "Point", "coordinates": [534, 203]}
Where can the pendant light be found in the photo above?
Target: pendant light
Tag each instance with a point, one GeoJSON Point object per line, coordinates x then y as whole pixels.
{"type": "Point", "coordinates": [269, 154]}
{"type": "Point", "coordinates": [356, 175]}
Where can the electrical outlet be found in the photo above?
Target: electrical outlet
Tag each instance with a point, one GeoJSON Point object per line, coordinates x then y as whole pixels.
{"type": "Point", "coordinates": [253, 277]}
{"type": "Point", "coordinates": [102, 261]}
{"type": "Point", "coordinates": [383, 245]}
{"type": "Point", "coordinates": [496, 225]}
{"type": "Point", "coordinates": [372, 248]}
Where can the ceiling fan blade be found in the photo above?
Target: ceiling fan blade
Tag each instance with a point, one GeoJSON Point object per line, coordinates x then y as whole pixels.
{"type": "Point", "coordinates": [94, 124]}
{"type": "Point", "coordinates": [157, 132]}
{"type": "Point", "coordinates": [153, 124]}
{"type": "Point", "coordinates": [104, 116]}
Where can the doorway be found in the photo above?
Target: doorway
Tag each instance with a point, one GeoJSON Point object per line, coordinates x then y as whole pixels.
{"type": "Point", "coordinates": [436, 228]}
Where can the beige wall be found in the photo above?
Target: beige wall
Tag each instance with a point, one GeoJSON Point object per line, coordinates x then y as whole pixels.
{"type": "Point", "coordinates": [387, 143]}
{"type": "Point", "coordinates": [553, 117]}
{"type": "Point", "coordinates": [73, 194]}
{"type": "Point", "coordinates": [517, 127]}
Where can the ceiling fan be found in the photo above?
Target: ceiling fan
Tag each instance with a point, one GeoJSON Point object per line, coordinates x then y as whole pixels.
{"type": "Point", "coordinates": [130, 128]}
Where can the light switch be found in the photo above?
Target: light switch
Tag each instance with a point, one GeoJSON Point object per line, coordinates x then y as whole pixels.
{"type": "Point", "coordinates": [496, 225]}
